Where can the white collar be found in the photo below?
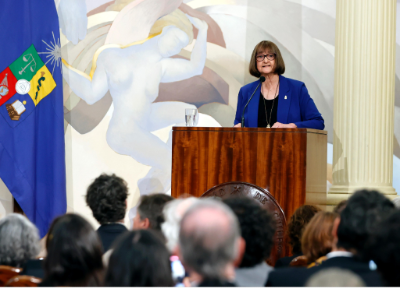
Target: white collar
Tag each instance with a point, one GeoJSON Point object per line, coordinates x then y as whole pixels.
{"type": "Point", "coordinates": [334, 254]}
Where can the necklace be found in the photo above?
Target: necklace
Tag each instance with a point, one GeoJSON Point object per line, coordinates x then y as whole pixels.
{"type": "Point", "coordinates": [270, 85]}
{"type": "Point", "coordinates": [265, 107]}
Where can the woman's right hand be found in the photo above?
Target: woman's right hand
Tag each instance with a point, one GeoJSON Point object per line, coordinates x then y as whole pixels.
{"type": "Point", "coordinates": [238, 125]}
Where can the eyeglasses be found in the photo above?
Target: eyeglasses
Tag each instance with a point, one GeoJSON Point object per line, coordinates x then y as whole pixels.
{"type": "Point", "coordinates": [270, 57]}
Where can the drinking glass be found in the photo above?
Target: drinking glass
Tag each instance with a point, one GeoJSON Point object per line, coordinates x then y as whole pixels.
{"type": "Point", "coordinates": [191, 117]}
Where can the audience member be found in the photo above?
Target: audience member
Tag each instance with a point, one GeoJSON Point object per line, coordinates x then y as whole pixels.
{"type": "Point", "coordinates": [150, 211]}
{"type": "Point", "coordinates": [384, 249]}
{"type": "Point", "coordinates": [364, 210]}
{"type": "Point", "coordinates": [139, 259]}
{"type": "Point", "coordinates": [74, 253]}
{"type": "Point", "coordinates": [334, 277]}
{"type": "Point", "coordinates": [173, 213]}
{"type": "Point", "coordinates": [295, 228]}
{"type": "Point", "coordinates": [209, 243]}
{"type": "Point", "coordinates": [19, 240]}
{"type": "Point", "coordinates": [34, 267]}
{"type": "Point", "coordinates": [317, 238]}
{"type": "Point", "coordinates": [106, 197]}
{"type": "Point", "coordinates": [396, 202]}
{"type": "Point", "coordinates": [258, 229]}
{"type": "Point", "coordinates": [339, 207]}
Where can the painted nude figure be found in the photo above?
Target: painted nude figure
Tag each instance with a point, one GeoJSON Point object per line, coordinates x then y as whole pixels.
{"type": "Point", "coordinates": [132, 75]}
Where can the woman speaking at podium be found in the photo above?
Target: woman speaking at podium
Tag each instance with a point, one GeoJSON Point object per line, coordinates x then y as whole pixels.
{"type": "Point", "coordinates": [274, 101]}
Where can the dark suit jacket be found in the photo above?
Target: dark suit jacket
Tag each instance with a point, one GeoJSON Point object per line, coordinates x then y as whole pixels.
{"type": "Point", "coordinates": [294, 105]}
{"type": "Point", "coordinates": [297, 277]}
{"type": "Point", "coordinates": [33, 268]}
{"type": "Point", "coordinates": [284, 262]}
{"type": "Point", "coordinates": [109, 232]}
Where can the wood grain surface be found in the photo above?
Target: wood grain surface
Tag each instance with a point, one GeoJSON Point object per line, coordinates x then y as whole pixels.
{"type": "Point", "coordinates": [273, 159]}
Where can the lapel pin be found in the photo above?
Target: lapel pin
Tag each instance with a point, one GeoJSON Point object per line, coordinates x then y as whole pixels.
{"type": "Point", "coordinates": [285, 97]}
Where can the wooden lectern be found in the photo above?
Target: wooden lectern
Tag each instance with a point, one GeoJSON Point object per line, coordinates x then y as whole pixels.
{"type": "Point", "coordinates": [290, 163]}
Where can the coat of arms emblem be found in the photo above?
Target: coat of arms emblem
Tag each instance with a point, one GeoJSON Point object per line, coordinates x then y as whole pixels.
{"type": "Point", "coordinates": [15, 110]}
{"type": "Point", "coordinates": [4, 87]}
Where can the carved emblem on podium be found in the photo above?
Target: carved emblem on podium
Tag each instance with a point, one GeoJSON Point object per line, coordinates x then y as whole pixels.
{"type": "Point", "coordinates": [236, 189]}
{"type": "Point", "coordinates": [261, 198]}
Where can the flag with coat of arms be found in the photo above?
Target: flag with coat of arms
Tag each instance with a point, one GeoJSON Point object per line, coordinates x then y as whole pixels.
{"type": "Point", "coordinates": [32, 150]}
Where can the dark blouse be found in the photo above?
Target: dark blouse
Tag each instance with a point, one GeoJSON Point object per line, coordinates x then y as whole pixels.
{"type": "Point", "coordinates": [264, 111]}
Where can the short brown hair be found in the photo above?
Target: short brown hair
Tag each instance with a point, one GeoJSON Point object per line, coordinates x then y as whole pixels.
{"type": "Point", "coordinates": [317, 237]}
{"type": "Point", "coordinates": [272, 48]}
{"type": "Point", "coordinates": [340, 207]}
{"type": "Point", "coordinates": [297, 223]}
{"type": "Point", "coordinates": [151, 207]}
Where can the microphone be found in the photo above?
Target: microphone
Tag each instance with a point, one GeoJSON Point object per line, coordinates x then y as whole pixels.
{"type": "Point", "coordinates": [262, 79]}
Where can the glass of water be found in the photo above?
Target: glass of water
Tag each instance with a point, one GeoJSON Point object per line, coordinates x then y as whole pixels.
{"type": "Point", "coordinates": [191, 117]}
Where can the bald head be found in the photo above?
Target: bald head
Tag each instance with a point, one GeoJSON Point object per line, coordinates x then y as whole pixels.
{"type": "Point", "coordinates": [208, 238]}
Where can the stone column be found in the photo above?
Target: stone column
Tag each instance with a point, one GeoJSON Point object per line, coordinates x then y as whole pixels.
{"type": "Point", "coordinates": [363, 120]}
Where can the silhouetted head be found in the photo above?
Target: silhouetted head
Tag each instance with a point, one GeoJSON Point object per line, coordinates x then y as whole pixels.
{"type": "Point", "coordinates": [172, 41]}
{"type": "Point", "coordinates": [74, 253]}
{"type": "Point", "coordinates": [364, 210]}
{"type": "Point", "coordinates": [139, 259]}
{"type": "Point", "coordinates": [258, 229]}
{"type": "Point", "coordinates": [383, 248]}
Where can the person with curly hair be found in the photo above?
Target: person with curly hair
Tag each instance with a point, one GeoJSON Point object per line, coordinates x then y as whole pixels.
{"type": "Point", "coordinates": [258, 228]}
{"type": "Point", "coordinates": [106, 197]}
{"type": "Point", "coordinates": [294, 231]}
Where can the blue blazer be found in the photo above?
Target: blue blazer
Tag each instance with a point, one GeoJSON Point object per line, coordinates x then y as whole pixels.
{"type": "Point", "coordinates": [295, 105]}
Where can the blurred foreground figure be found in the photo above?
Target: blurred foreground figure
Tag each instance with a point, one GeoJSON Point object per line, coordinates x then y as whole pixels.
{"type": "Point", "coordinates": [396, 202]}
{"type": "Point", "coordinates": [139, 259]}
{"type": "Point", "coordinates": [106, 197]}
{"type": "Point", "coordinates": [335, 278]}
{"type": "Point", "coordinates": [364, 210]}
{"type": "Point", "coordinates": [209, 244]}
{"type": "Point", "coordinates": [384, 249]}
{"type": "Point", "coordinates": [258, 229]}
{"type": "Point", "coordinates": [173, 213]}
{"type": "Point", "coordinates": [19, 240]}
{"type": "Point", "coordinates": [73, 254]}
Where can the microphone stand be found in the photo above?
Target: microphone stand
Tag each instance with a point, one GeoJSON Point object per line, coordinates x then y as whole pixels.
{"type": "Point", "coordinates": [262, 79]}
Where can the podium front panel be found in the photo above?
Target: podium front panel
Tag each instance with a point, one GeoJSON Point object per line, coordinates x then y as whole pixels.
{"type": "Point", "coordinates": [274, 159]}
